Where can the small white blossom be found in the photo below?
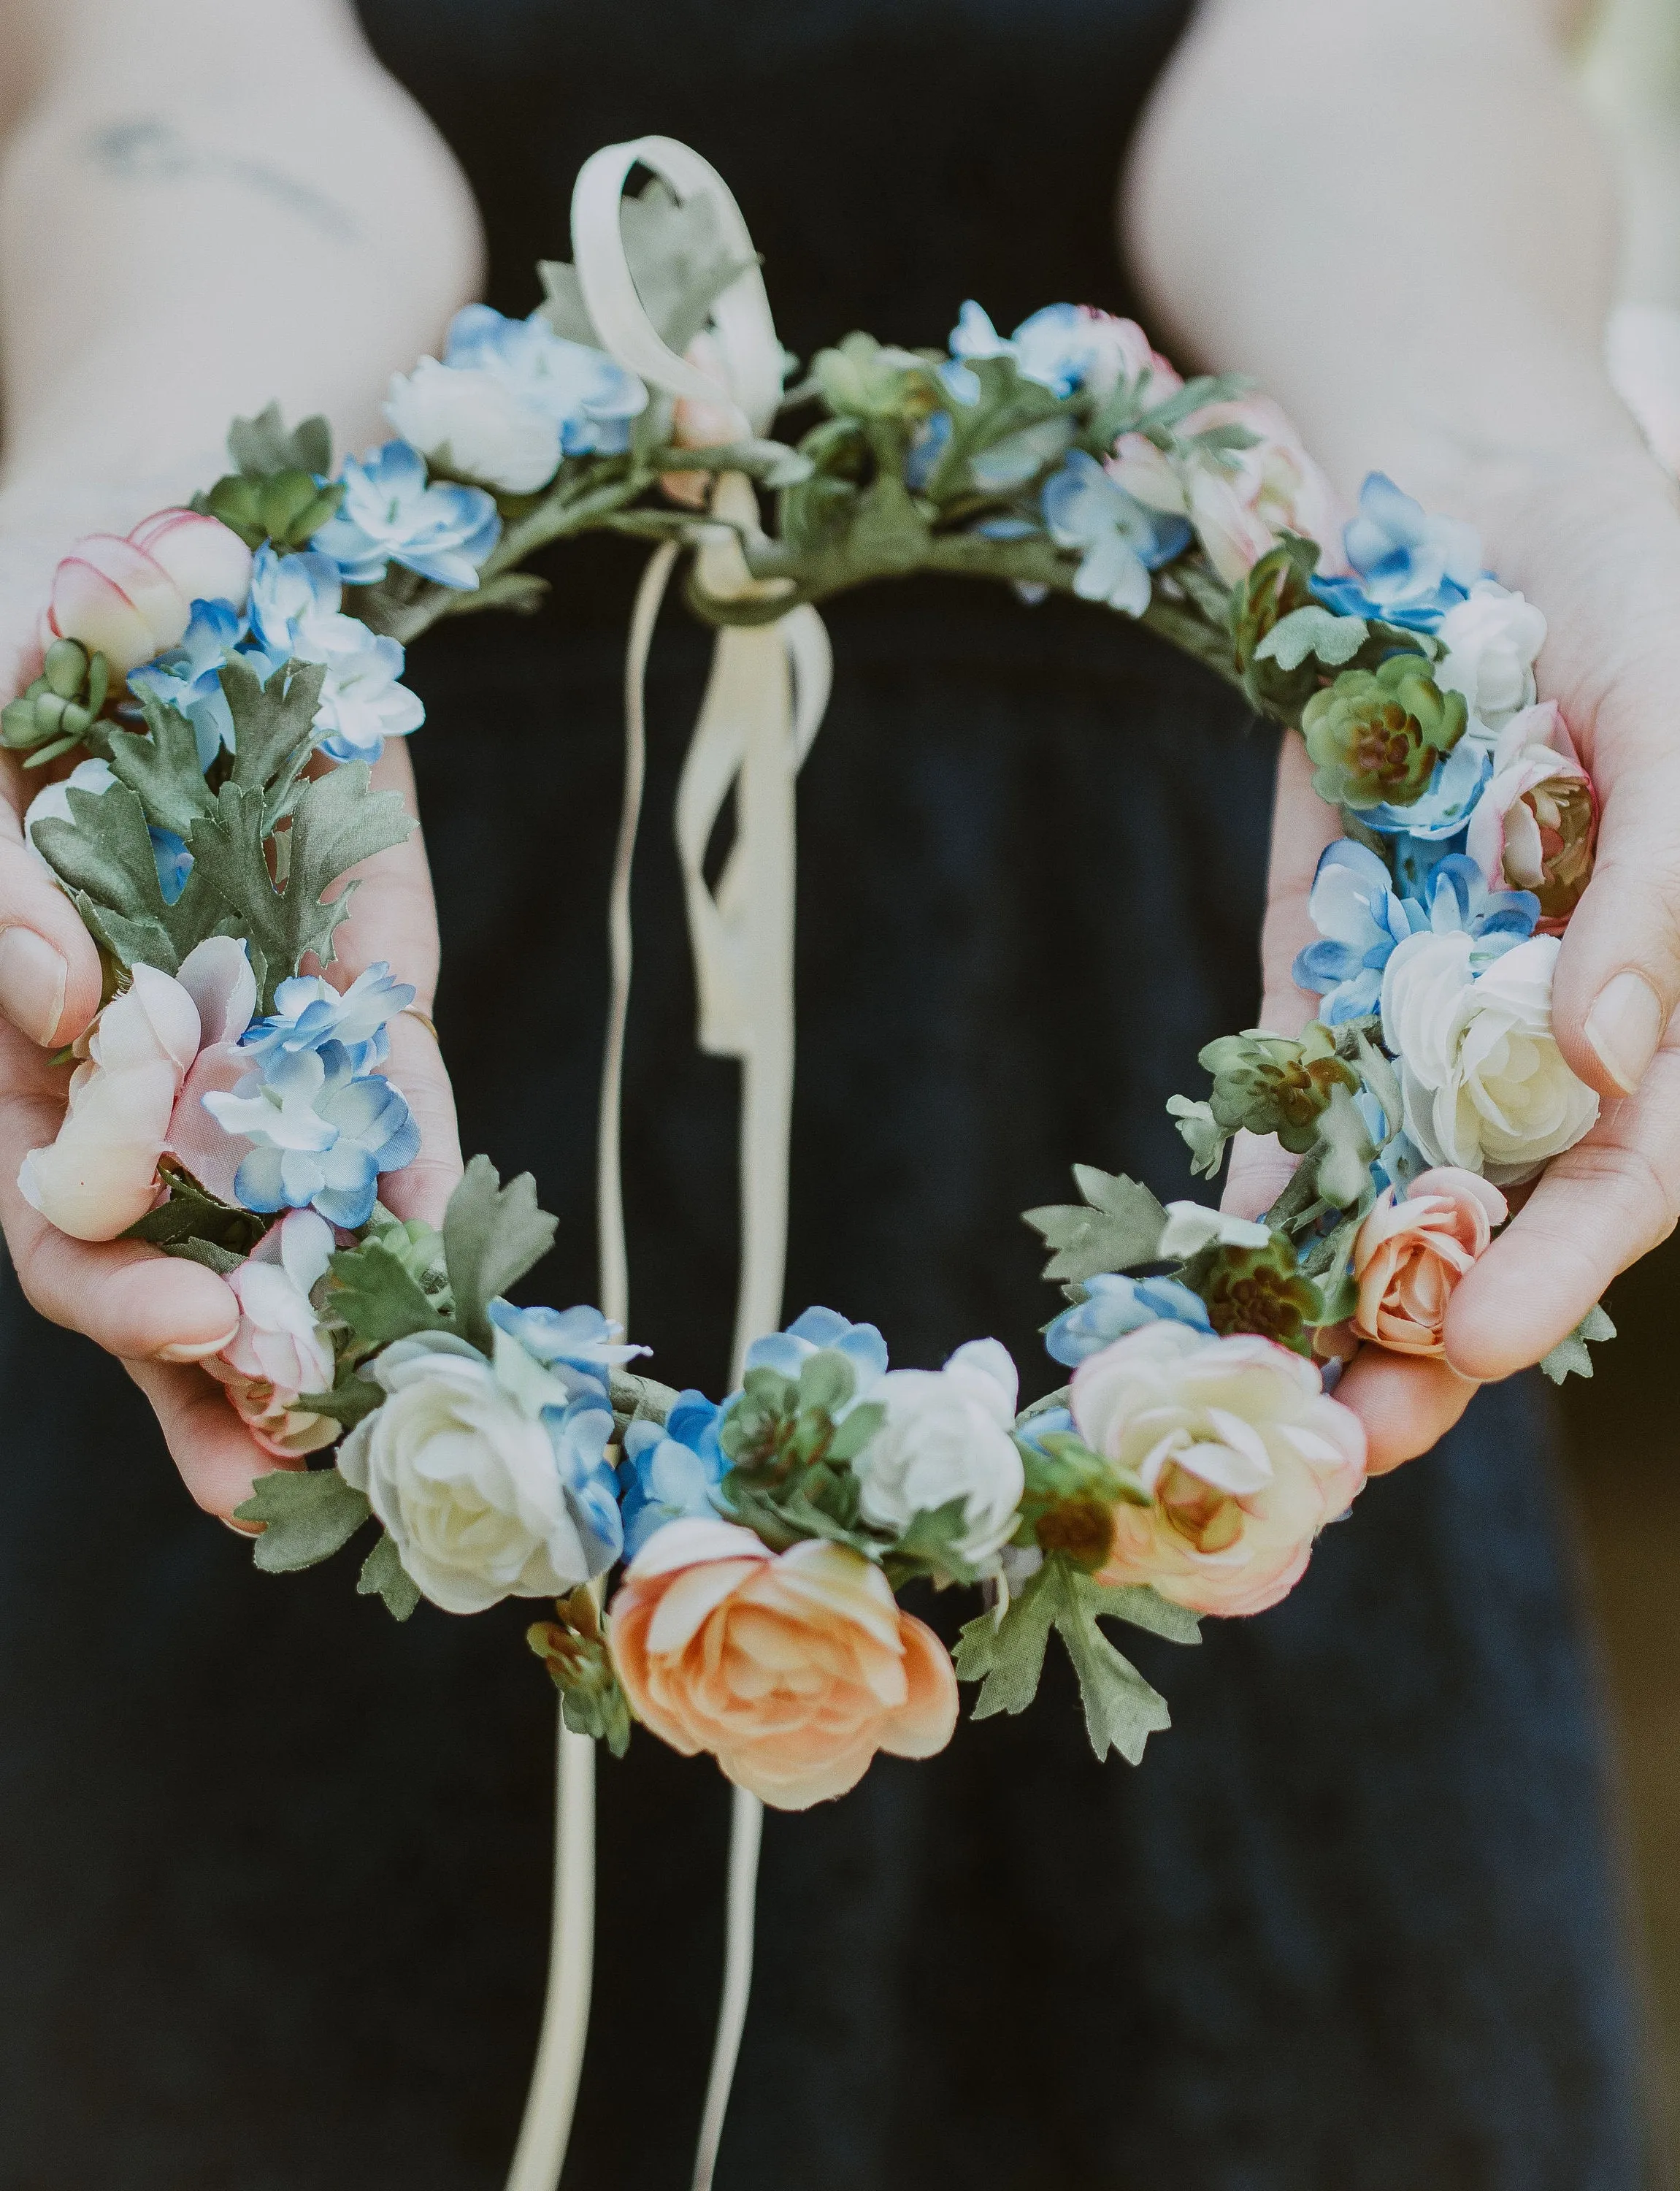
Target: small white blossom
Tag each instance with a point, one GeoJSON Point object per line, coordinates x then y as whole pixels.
{"type": "Point", "coordinates": [1191, 1228]}
{"type": "Point", "coordinates": [947, 1437]}
{"type": "Point", "coordinates": [1491, 642]}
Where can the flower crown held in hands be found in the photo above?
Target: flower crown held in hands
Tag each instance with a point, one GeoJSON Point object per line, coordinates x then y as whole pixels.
{"type": "Point", "coordinates": [225, 675]}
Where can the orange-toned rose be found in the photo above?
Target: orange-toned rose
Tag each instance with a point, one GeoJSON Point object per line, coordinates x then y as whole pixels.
{"type": "Point", "coordinates": [793, 1668]}
{"type": "Point", "coordinates": [1408, 1255]}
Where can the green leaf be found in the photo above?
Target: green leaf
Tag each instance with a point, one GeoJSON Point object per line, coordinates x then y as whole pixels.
{"type": "Point", "coordinates": [1316, 631]}
{"type": "Point", "coordinates": [160, 766]}
{"type": "Point", "coordinates": [308, 1515]}
{"type": "Point", "coordinates": [1008, 1655]}
{"type": "Point", "coordinates": [679, 260]}
{"type": "Point", "coordinates": [222, 1261]}
{"type": "Point", "coordinates": [383, 1575]}
{"type": "Point", "coordinates": [1144, 1608]}
{"type": "Point", "coordinates": [104, 857]}
{"type": "Point", "coordinates": [192, 1216]}
{"type": "Point", "coordinates": [273, 723]}
{"type": "Point", "coordinates": [826, 1381]}
{"type": "Point", "coordinates": [1345, 1152]}
{"type": "Point", "coordinates": [932, 1540]}
{"type": "Point", "coordinates": [351, 1400]}
{"type": "Point", "coordinates": [855, 1428]}
{"type": "Point", "coordinates": [492, 1235]}
{"type": "Point", "coordinates": [257, 446]}
{"type": "Point", "coordinates": [1570, 1357]}
{"type": "Point", "coordinates": [1119, 1226]}
{"type": "Point", "coordinates": [378, 1296]}
{"type": "Point", "coordinates": [1121, 1710]}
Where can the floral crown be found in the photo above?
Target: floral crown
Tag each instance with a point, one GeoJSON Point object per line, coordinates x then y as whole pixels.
{"type": "Point", "coordinates": [224, 677]}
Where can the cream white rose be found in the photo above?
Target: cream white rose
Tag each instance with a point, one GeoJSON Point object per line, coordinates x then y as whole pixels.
{"type": "Point", "coordinates": [1491, 642]}
{"type": "Point", "coordinates": [1485, 1084]}
{"type": "Point", "coordinates": [476, 422]}
{"type": "Point", "coordinates": [1244, 1456]}
{"type": "Point", "coordinates": [469, 1482]}
{"type": "Point", "coordinates": [947, 1436]}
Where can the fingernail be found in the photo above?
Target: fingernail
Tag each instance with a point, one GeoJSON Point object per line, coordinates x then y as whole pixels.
{"type": "Point", "coordinates": [33, 978]}
{"type": "Point", "coordinates": [201, 1350]}
{"type": "Point", "coordinates": [1624, 1027]}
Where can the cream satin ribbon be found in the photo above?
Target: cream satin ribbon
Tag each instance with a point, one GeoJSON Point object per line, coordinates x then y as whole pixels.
{"type": "Point", "coordinates": [763, 705]}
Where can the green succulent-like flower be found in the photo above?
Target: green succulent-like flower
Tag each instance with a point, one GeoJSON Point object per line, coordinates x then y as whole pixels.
{"type": "Point", "coordinates": [288, 508]}
{"type": "Point", "coordinates": [61, 707]}
{"type": "Point", "coordinates": [863, 379]}
{"type": "Point", "coordinates": [1272, 1086]}
{"type": "Point", "coordinates": [1377, 734]}
{"type": "Point", "coordinates": [1262, 1290]}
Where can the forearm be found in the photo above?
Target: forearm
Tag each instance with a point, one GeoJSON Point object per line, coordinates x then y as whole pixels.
{"type": "Point", "coordinates": [1400, 221]}
{"type": "Point", "coordinates": [206, 205]}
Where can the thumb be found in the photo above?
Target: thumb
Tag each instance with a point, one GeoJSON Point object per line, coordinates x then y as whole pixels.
{"type": "Point", "coordinates": [1618, 975]}
{"type": "Point", "coordinates": [49, 970]}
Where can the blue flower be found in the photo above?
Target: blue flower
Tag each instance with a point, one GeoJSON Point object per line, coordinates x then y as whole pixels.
{"type": "Point", "coordinates": [580, 1435]}
{"type": "Point", "coordinates": [309, 1013]}
{"type": "Point", "coordinates": [391, 514]}
{"type": "Point", "coordinates": [1408, 568]}
{"type": "Point", "coordinates": [1114, 1305]}
{"type": "Point", "coordinates": [321, 1134]}
{"type": "Point", "coordinates": [928, 446]}
{"type": "Point", "coordinates": [1123, 541]}
{"type": "Point", "coordinates": [670, 1472]}
{"type": "Point", "coordinates": [1444, 808]}
{"type": "Point", "coordinates": [1050, 1422]}
{"type": "Point", "coordinates": [817, 1330]}
{"type": "Point", "coordinates": [588, 396]}
{"type": "Point", "coordinates": [1061, 346]}
{"type": "Point", "coordinates": [173, 862]}
{"type": "Point", "coordinates": [185, 677]}
{"type": "Point", "coordinates": [1458, 899]}
{"type": "Point", "coordinates": [1360, 920]}
{"type": "Point", "coordinates": [577, 1346]}
{"type": "Point", "coordinates": [295, 615]}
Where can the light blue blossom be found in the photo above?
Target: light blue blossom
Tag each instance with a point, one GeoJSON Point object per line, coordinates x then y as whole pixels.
{"type": "Point", "coordinates": [309, 1013]}
{"type": "Point", "coordinates": [185, 677]}
{"type": "Point", "coordinates": [1408, 568]}
{"type": "Point", "coordinates": [1114, 1305]}
{"type": "Point", "coordinates": [1397, 1160]}
{"type": "Point", "coordinates": [1458, 901]}
{"type": "Point", "coordinates": [1123, 541]}
{"type": "Point", "coordinates": [321, 1134]}
{"type": "Point", "coordinates": [295, 615]}
{"type": "Point", "coordinates": [296, 608]}
{"type": "Point", "coordinates": [391, 514]}
{"type": "Point", "coordinates": [670, 1472]}
{"type": "Point", "coordinates": [1444, 808]}
{"type": "Point", "coordinates": [1062, 347]}
{"type": "Point", "coordinates": [931, 439]}
{"type": "Point", "coordinates": [577, 1346]}
{"type": "Point", "coordinates": [819, 1330]}
{"type": "Point", "coordinates": [1050, 1422]}
{"type": "Point", "coordinates": [588, 396]}
{"type": "Point", "coordinates": [581, 1434]}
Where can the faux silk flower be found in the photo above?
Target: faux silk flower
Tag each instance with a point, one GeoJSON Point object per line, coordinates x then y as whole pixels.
{"type": "Point", "coordinates": [131, 598]}
{"type": "Point", "coordinates": [392, 514]}
{"type": "Point", "coordinates": [1536, 823]}
{"type": "Point", "coordinates": [1405, 566]}
{"type": "Point", "coordinates": [793, 1669]}
{"type": "Point", "coordinates": [1408, 1255]}
{"type": "Point", "coordinates": [946, 1439]}
{"type": "Point", "coordinates": [282, 1349]}
{"type": "Point", "coordinates": [1244, 1454]}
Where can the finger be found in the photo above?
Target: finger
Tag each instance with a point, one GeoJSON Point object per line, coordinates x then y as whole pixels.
{"type": "Point", "coordinates": [217, 1458]}
{"type": "Point", "coordinates": [127, 1298]}
{"type": "Point", "coordinates": [1618, 975]}
{"type": "Point", "coordinates": [49, 970]}
{"type": "Point", "coordinates": [1261, 1168]}
{"type": "Point", "coordinates": [422, 1189]}
{"type": "Point", "coordinates": [1595, 1210]}
{"type": "Point", "coordinates": [1406, 1406]}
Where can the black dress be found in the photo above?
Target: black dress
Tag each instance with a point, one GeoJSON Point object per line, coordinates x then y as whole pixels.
{"type": "Point", "coordinates": [273, 1907]}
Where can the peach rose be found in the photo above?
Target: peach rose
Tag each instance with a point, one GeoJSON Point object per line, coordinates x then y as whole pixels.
{"type": "Point", "coordinates": [1244, 1454]}
{"type": "Point", "coordinates": [1408, 1255]}
{"type": "Point", "coordinates": [280, 1350]}
{"type": "Point", "coordinates": [131, 599]}
{"type": "Point", "coordinates": [793, 1668]}
{"type": "Point", "coordinates": [100, 1174]}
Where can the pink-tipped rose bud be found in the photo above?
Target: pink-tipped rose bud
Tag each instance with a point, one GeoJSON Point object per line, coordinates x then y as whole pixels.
{"type": "Point", "coordinates": [1536, 826]}
{"type": "Point", "coordinates": [1408, 1256]}
{"type": "Point", "coordinates": [281, 1349]}
{"type": "Point", "coordinates": [132, 599]}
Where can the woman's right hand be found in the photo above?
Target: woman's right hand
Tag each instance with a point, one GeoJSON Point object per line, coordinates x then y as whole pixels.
{"type": "Point", "coordinates": [160, 1314]}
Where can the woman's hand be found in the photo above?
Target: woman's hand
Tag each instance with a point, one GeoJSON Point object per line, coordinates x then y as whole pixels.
{"type": "Point", "coordinates": [160, 1314]}
{"type": "Point", "coordinates": [1597, 547]}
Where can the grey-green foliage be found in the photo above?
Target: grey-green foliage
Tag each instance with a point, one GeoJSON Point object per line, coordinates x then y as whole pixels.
{"type": "Point", "coordinates": [1570, 1357]}
{"type": "Point", "coordinates": [678, 257]}
{"type": "Point", "coordinates": [492, 1235]}
{"type": "Point", "coordinates": [307, 1515]}
{"type": "Point", "coordinates": [1117, 1226]}
{"type": "Point", "coordinates": [383, 1575]}
{"type": "Point", "coordinates": [1121, 1710]}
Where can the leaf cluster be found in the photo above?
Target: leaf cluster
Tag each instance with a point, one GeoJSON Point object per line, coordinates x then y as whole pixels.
{"type": "Point", "coordinates": [1572, 1357]}
{"type": "Point", "coordinates": [58, 710]}
{"type": "Point", "coordinates": [1007, 1654]}
{"type": "Point", "coordinates": [275, 491]}
{"type": "Point", "coordinates": [575, 1649]}
{"type": "Point", "coordinates": [1117, 1226]}
{"type": "Point", "coordinates": [308, 1514]}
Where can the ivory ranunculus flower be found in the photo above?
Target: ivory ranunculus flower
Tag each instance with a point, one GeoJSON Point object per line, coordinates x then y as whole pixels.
{"type": "Point", "coordinates": [1408, 1256]}
{"type": "Point", "coordinates": [1485, 1084]}
{"type": "Point", "coordinates": [793, 1669]}
{"type": "Point", "coordinates": [485, 1496]}
{"type": "Point", "coordinates": [130, 599]}
{"type": "Point", "coordinates": [1244, 1456]}
{"type": "Point", "coordinates": [1492, 640]}
{"type": "Point", "coordinates": [947, 1437]}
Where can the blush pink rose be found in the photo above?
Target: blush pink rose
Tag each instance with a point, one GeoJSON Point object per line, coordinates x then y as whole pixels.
{"type": "Point", "coordinates": [1536, 826]}
{"type": "Point", "coordinates": [1408, 1255]}
{"type": "Point", "coordinates": [793, 1669]}
{"type": "Point", "coordinates": [282, 1349]}
{"type": "Point", "coordinates": [1244, 1456]}
{"type": "Point", "coordinates": [130, 599]}
{"type": "Point", "coordinates": [100, 1174]}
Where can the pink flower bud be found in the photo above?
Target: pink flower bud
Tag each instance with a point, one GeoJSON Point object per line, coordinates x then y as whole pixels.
{"type": "Point", "coordinates": [131, 599]}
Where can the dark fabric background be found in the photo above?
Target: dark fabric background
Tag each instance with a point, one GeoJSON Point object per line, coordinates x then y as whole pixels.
{"type": "Point", "coordinates": [272, 1904]}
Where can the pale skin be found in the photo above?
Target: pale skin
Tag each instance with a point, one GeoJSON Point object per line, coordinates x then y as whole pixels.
{"type": "Point", "coordinates": [175, 169]}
